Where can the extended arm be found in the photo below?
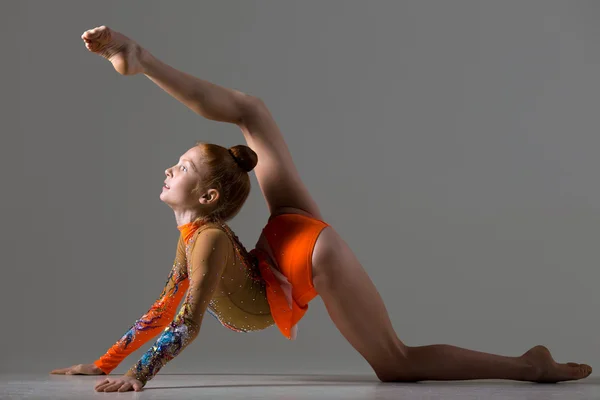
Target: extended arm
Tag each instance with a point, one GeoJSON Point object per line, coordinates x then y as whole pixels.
{"type": "Point", "coordinates": [152, 322]}
{"type": "Point", "coordinates": [208, 259]}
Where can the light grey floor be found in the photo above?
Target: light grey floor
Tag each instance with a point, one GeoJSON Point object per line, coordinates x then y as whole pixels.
{"type": "Point", "coordinates": [289, 387]}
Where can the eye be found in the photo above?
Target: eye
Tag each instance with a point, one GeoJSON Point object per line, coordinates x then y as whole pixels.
{"type": "Point", "coordinates": [183, 167]}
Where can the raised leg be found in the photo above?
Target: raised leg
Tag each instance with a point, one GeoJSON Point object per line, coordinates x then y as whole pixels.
{"type": "Point", "coordinates": [276, 173]}
{"type": "Point", "coordinates": [277, 176]}
{"type": "Point", "coordinates": [358, 311]}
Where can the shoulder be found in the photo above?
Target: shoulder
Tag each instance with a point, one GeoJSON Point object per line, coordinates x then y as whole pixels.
{"type": "Point", "coordinates": [212, 234]}
{"type": "Point", "coordinates": [211, 240]}
{"type": "Point", "coordinates": [209, 253]}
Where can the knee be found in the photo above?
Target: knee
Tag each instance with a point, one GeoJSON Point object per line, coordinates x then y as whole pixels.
{"type": "Point", "coordinates": [253, 106]}
{"type": "Point", "coordinates": [398, 369]}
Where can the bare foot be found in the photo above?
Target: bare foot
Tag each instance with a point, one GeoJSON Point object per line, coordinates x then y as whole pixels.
{"type": "Point", "coordinates": [549, 371]}
{"type": "Point", "coordinates": [122, 52]}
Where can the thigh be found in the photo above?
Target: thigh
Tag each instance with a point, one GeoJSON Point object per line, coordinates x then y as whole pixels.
{"type": "Point", "coordinates": [354, 304]}
{"type": "Point", "coordinates": [276, 172]}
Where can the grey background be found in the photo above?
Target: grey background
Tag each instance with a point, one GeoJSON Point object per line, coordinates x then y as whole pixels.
{"type": "Point", "coordinates": [454, 145]}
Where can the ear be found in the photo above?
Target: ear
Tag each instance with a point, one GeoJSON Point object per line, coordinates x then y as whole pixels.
{"type": "Point", "coordinates": [210, 197]}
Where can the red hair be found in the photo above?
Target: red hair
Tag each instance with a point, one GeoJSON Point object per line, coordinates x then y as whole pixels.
{"type": "Point", "coordinates": [227, 171]}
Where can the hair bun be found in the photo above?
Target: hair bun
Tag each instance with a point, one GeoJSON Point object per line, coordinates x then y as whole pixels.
{"type": "Point", "coordinates": [244, 156]}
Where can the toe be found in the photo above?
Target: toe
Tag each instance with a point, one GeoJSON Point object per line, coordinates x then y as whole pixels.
{"type": "Point", "coordinates": [87, 35]}
{"type": "Point", "coordinates": [587, 369]}
{"type": "Point", "coordinates": [565, 372]}
{"type": "Point", "coordinates": [93, 33]}
{"type": "Point", "coordinates": [578, 371]}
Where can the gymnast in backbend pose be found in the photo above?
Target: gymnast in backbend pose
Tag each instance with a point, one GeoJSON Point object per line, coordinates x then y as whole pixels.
{"type": "Point", "coordinates": [297, 257]}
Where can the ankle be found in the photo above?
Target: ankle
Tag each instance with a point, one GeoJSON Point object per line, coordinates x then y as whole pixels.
{"type": "Point", "coordinates": [146, 59]}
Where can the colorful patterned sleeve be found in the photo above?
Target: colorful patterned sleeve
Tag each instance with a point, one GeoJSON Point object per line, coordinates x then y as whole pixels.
{"type": "Point", "coordinates": [155, 320]}
{"type": "Point", "coordinates": [206, 263]}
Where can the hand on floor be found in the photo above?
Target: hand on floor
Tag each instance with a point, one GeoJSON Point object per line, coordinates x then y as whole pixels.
{"type": "Point", "coordinates": [121, 384]}
{"type": "Point", "coordinates": [79, 369]}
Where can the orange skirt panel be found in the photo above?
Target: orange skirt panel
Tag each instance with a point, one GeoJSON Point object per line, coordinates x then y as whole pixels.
{"type": "Point", "coordinates": [292, 239]}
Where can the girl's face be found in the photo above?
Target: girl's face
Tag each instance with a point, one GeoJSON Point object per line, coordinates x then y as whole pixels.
{"type": "Point", "coordinates": [182, 179]}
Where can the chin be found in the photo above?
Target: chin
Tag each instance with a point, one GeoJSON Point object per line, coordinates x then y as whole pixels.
{"type": "Point", "coordinates": [161, 197]}
{"type": "Point", "coordinates": [167, 202]}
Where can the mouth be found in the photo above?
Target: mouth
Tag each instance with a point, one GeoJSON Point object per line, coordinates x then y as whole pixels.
{"type": "Point", "coordinates": [165, 186]}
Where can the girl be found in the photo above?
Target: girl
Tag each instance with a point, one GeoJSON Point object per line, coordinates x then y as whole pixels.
{"type": "Point", "coordinates": [297, 257]}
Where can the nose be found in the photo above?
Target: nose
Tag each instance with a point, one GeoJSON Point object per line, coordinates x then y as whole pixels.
{"type": "Point", "coordinates": [168, 172]}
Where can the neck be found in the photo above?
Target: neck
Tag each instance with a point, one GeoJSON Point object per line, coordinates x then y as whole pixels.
{"type": "Point", "coordinates": [186, 216]}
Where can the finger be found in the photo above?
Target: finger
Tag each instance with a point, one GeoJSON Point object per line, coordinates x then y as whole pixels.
{"type": "Point", "coordinates": [114, 387]}
{"type": "Point", "coordinates": [137, 386]}
{"type": "Point", "coordinates": [126, 387]}
{"type": "Point", "coordinates": [73, 371]}
{"type": "Point", "coordinates": [60, 371]}
{"type": "Point", "coordinates": [99, 387]}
